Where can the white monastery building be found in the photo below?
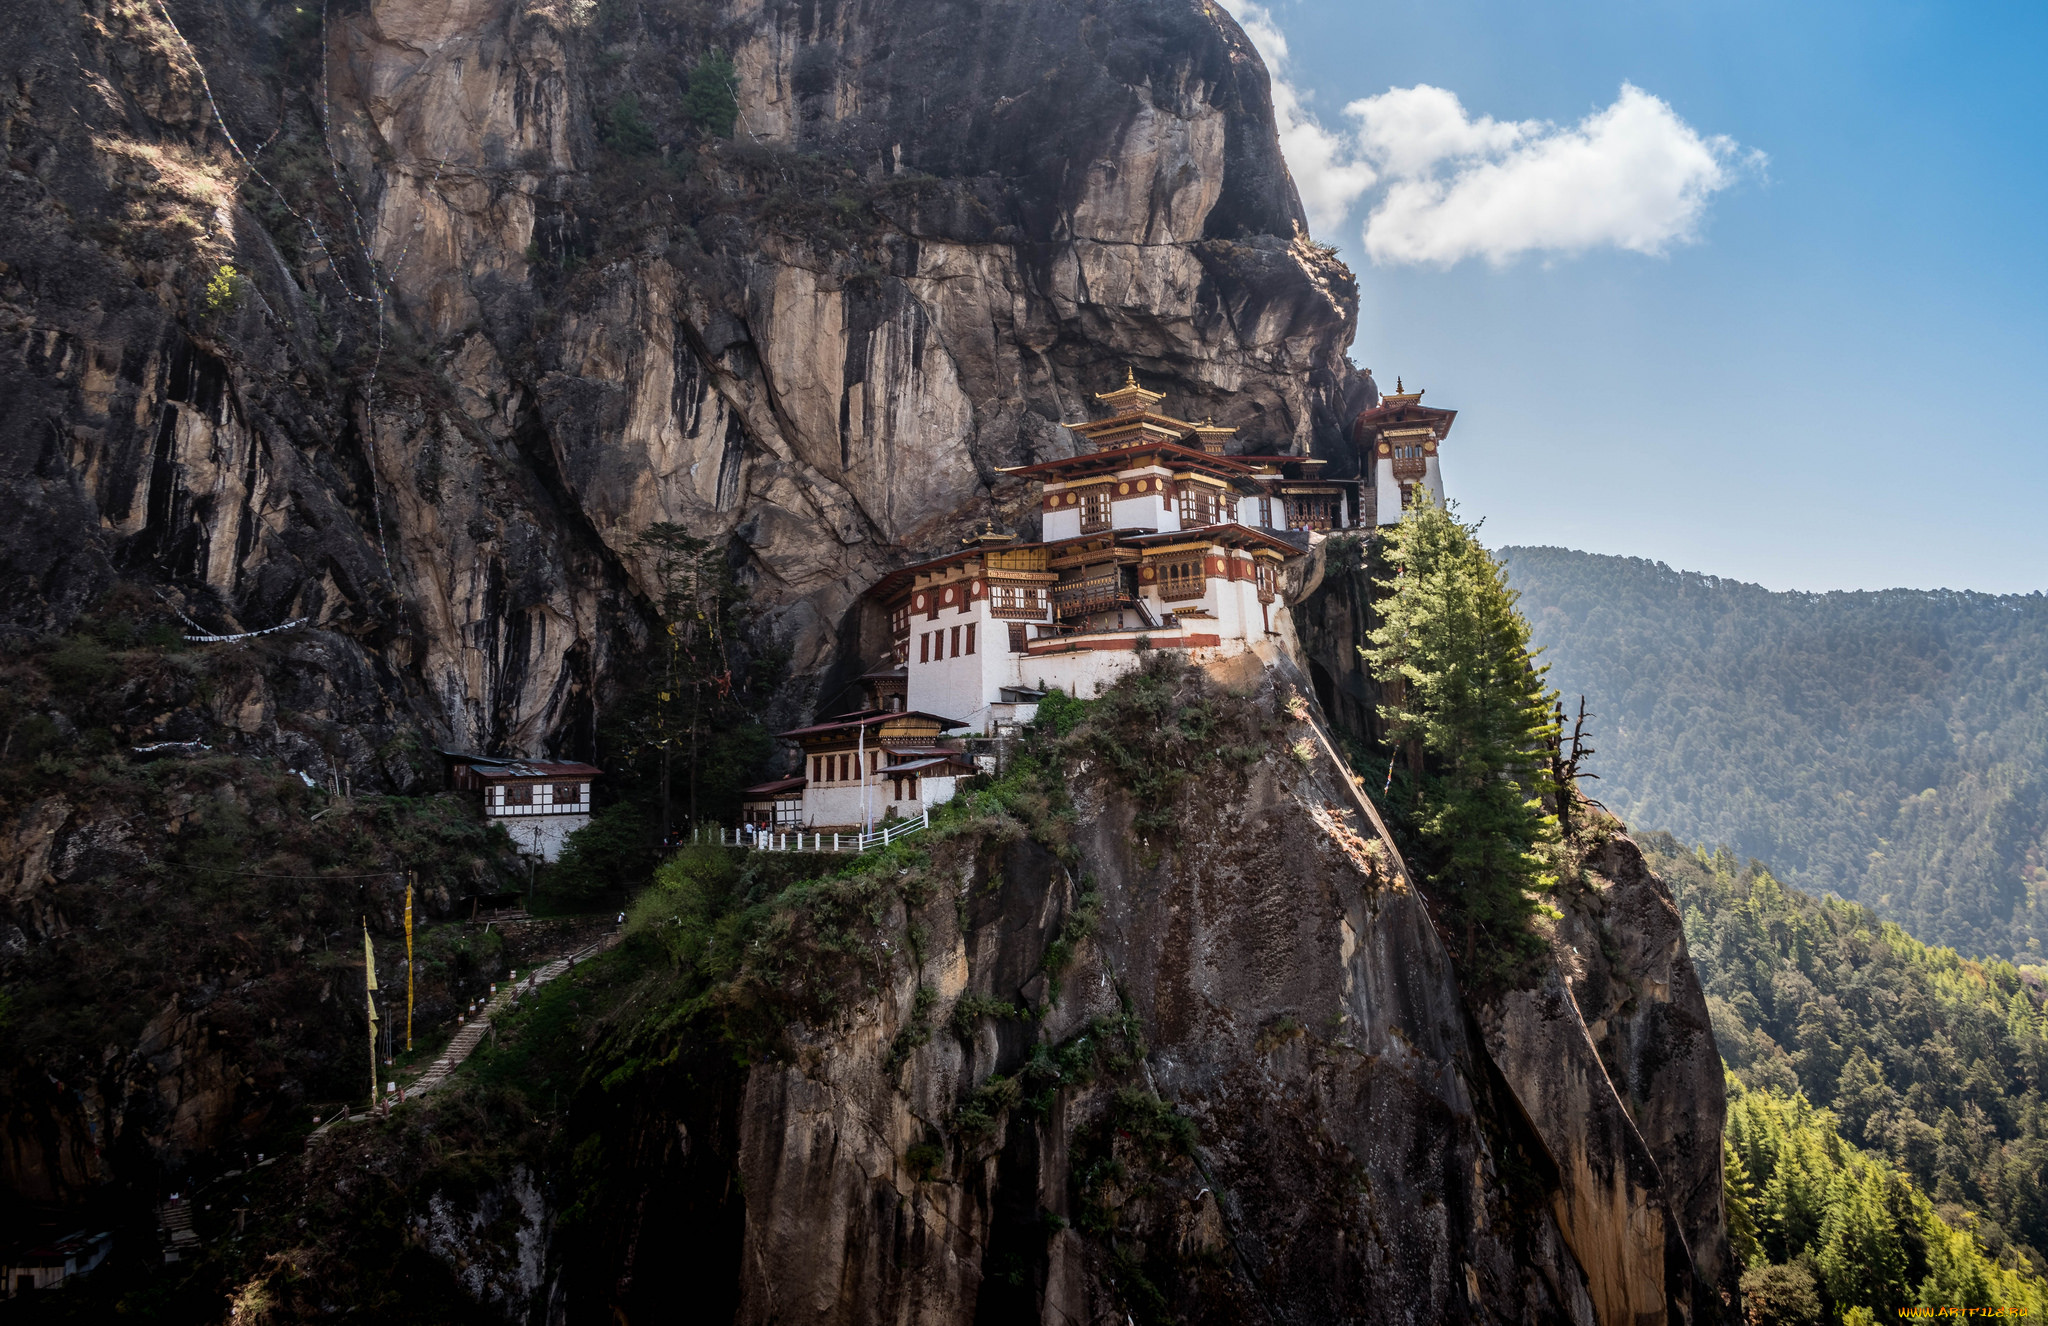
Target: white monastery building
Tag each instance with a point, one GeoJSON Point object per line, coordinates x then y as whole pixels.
{"type": "Point", "coordinates": [1155, 539]}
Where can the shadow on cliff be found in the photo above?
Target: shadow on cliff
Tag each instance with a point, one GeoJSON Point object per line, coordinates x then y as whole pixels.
{"type": "Point", "coordinates": [1150, 1026]}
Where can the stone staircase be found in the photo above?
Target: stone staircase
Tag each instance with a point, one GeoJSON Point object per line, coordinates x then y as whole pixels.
{"type": "Point", "coordinates": [476, 1028]}
{"type": "Point", "coordinates": [465, 1041]}
{"type": "Point", "coordinates": [174, 1226]}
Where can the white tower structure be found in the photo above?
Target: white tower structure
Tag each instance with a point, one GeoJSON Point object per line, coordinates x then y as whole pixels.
{"type": "Point", "coordinates": [1399, 441]}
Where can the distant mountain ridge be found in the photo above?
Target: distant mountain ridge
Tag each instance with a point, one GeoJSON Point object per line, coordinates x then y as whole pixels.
{"type": "Point", "coordinates": [1889, 745]}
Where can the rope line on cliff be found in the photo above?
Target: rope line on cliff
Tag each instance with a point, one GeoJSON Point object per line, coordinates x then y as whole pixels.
{"type": "Point", "coordinates": [205, 637]}
{"type": "Point", "coordinates": [206, 86]}
{"type": "Point", "coordinates": [334, 171]}
{"type": "Point", "coordinates": [246, 635]}
{"type": "Point", "coordinates": [419, 221]}
{"type": "Point", "coordinates": [390, 285]}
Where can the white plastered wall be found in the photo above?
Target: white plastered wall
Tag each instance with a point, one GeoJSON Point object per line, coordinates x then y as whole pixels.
{"type": "Point", "coordinates": [841, 805]}
{"type": "Point", "coordinates": [958, 687]}
{"type": "Point", "coordinates": [1389, 492]}
{"type": "Point", "coordinates": [541, 835]}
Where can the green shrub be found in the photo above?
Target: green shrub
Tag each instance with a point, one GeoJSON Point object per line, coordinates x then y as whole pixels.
{"type": "Point", "coordinates": [970, 1010]}
{"type": "Point", "coordinates": [1079, 925]}
{"type": "Point", "coordinates": [601, 862]}
{"type": "Point", "coordinates": [1061, 713]}
{"type": "Point", "coordinates": [712, 102]}
{"type": "Point", "coordinates": [690, 893]}
{"type": "Point", "coordinates": [916, 1032]}
{"type": "Point", "coordinates": [1159, 727]}
{"type": "Point", "coordinates": [977, 1117]}
{"type": "Point", "coordinates": [924, 1159]}
{"type": "Point", "coordinates": [224, 291]}
{"type": "Point", "coordinates": [625, 129]}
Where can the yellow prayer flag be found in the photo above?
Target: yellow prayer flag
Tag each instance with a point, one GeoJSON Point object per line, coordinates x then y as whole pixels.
{"type": "Point", "coordinates": [408, 961]}
{"type": "Point", "coordinates": [369, 958]}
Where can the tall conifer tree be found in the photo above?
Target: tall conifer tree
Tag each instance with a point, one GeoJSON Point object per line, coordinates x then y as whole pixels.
{"type": "Point", "coordinates": [1467, 703]}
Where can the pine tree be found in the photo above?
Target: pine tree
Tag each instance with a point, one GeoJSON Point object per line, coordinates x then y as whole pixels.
{"type": "Point", "coordinates": [1467, 703]}
{"type": "Point", "coordinates": [699, 607]}
{"type": "Point", "coordinates": [712, 102]}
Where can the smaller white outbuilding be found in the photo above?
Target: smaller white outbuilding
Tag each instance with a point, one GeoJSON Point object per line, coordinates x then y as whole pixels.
{"type": "Point", "coordinates": [540, 802]}
{"type": "Point", "coordinates": [875, 765]}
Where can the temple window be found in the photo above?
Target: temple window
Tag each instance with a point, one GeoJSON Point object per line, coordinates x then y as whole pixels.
{"type": "Point", "coordinates": [519, 794]}
{"type": "Point", "coordinates": [1200, 506]}
{"type": "Point", "coordinates": [1092, 589]}
{"type": "Point", "coordinates": [1095, 509]}
{"type": "Point", "coordinates": [1266, 576]}
{"type": "Point", "coordinates": [924, 647]}
{"type": "Point", "coordinates": [568, 794]}
{"type": "Point", "coordinates": [1017, 601]}
{"type": "Point", "coordinates": [956, 642]}
{"type": "Point", "coordinates": [1317, 512]}
{"type": "Point", "coordinates": [1181, 580]}
{"type": "Point", "coordinates": [1017, 637]}
{"type": "Point", "coordinates": [970, 637]}
{"type": "Point", "coordinates": [1266, 512]}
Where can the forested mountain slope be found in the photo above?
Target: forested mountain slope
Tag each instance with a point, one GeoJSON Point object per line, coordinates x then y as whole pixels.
{"type": "Point", "coordinates": [1891, 746]}
{"type": "Point", "coordinates": [1932, 1064]}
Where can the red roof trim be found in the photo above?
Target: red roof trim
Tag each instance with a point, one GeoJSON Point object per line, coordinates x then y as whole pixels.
{"type": "Point", "coordinates": [869, 718]}
{"type": "Point", "coordinates": [541, 769]}
{"type": "Point", "coordinates": [1402, 412]}
{"type": "Point", "coordinates": [1118, 456]}
{"type": "Point", "coordinates": [1228, 535]}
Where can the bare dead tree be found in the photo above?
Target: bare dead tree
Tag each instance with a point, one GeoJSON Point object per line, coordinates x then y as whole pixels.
{"type": "Point", "coordinates": [1567, 765]}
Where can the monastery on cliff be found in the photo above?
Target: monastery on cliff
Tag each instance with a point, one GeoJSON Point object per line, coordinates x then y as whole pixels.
{"type": "Point", "coordinates": [1158, 535]}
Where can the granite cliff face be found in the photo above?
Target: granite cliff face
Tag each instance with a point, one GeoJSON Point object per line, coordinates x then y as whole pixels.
{"type": "Point", "coordinates": [466, 304]}
{"type": "Point", "coordinates": [1100, 1061]}
{"type": "Point", "coordinates": [499, 307]}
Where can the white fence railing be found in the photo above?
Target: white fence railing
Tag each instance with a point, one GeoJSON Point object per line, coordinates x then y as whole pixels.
{"type": "Point", "coordinates": [775, 840]}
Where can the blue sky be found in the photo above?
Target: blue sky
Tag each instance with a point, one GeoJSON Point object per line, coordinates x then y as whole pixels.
{"type": "Point", "coordinates": [1811, 352]}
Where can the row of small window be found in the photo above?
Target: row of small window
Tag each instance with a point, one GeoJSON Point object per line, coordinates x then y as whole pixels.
{"type": "Point", "coordinates": [1198, 507]}
{"type": "Point", "coordinates": [931, 645]}
{"type": "Point", "coordinates": [1408, 453]}
{"type": "Point", "coordinates": [843, 767]}
{"type": "Point", "coordinates": [1015, 600]}
{"type": "Point", "coordinates": [521, 794]}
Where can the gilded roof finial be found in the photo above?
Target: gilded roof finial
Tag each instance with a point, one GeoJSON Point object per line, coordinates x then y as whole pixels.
{"type": "Point", "coordinates": [1399, 390]}
{"type": "Point", "coordinates": [1130, 376]}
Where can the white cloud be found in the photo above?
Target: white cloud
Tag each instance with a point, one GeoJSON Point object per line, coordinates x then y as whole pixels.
{"type": "Point", "coordinates": [1328, 173]}
{"type": "Point", "coordinates": [1633, 176]}
{"type": "Point", "coordinates": [1408, 130]}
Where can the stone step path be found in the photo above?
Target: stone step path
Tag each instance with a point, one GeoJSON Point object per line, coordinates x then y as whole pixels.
{"type": "Point", "coordinates": [474, 1030]}
{"type": "Point", "coordinates": [174, 1228]}
{"type": "Point", "coordinates": [472, 1033]}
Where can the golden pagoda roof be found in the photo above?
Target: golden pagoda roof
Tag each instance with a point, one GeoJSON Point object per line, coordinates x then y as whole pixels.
{"type": "Point", "coordinates": [1135, 423]}
{"type": "Point", "coordinates": [1212, 435]}
{"type": "Point", "coordinates": [1130, 398]}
